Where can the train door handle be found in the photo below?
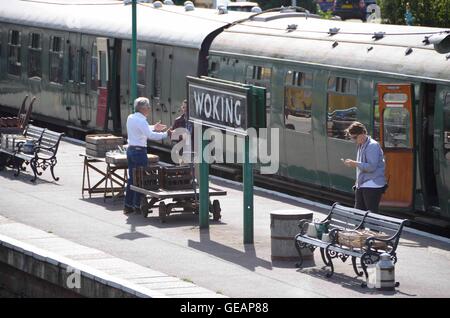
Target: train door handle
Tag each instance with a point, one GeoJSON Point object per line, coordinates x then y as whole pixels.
{"type": "Point", "coordinates": [164, 108]}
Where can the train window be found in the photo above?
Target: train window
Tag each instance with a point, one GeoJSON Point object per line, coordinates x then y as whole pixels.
{"type": "Point", "coordinates": [103, 78]}
{"type": "Point", "coordinates": [35, 56]}
{"type": "Point", "coordinates": [141, 71]}
{"type": "Point", "coordinates": [72, 62]}
{"type": "Point", "coordinates": [214, 66]}
{"type": "Point", "coordinates": [259, 73]}
{"type": "Point", "coordinates": [342, 106]}
{"type": "Point", "coordinates": [376, 118]}
{"type": "Point", "coordinates": [94, 67]}
{"type": "Point", "coordinates": [447, 127]}
{"type": "Point", "coordinates": [56, 59]}
{"type": "Point", "coordinates": [298, 101]}
{"type": "Point", "coordinates": [298, 79]}
{"type": "Point", "coordinates": [261, 76]}
{"type": "Point", "coordinates": [156, 79]}
{"type": "Point", "coordinates": [395, 98]}
{"type": "Point", "coordinates": [14, 53]}
{"type": "Point", "coordinates": [83, 65]}
{"type": "Point", "coordinates": [396, 122]}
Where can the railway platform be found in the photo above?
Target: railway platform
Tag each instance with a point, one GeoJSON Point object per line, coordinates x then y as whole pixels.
{"type": "Point", "coordinates": [214, 260]}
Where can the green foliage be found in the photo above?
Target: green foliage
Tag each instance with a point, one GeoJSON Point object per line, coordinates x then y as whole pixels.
{"type": "Point", "coordinates": [434, 13]}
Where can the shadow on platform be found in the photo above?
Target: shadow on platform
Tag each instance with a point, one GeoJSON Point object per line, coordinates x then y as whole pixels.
{"type": "Point", "coordinates": [247, 259]}
{"type": "Point", "coordinates": [26, 176]}
{"type": "Point", "coordinates": [349, 282]}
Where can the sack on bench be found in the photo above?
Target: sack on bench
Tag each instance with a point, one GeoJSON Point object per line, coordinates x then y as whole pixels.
{"type": "Point", "coordinates": [357, 238]}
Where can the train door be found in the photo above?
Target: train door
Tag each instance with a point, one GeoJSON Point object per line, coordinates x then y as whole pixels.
{"type": "Point", "coordinates": [298, 132]}
{"type": "Point", "coordinates": [426, 146]}
{"type": "Point", "coordinates": [156, 97]}
{"type": "Point", "coordinates": [397, 140]}
{"type": "Point", "coordinates": [99, 80]}
{"type": "Point", "coordinates": [75, 99]}
{"type": "Point", "coordinates": [341, 111]}
{"type": "Point", "coordinates": [126, 105]}
{"type": "Point", "coordinates": [161, 84]}
{"type": "Point", "coordinates": [442, 148]}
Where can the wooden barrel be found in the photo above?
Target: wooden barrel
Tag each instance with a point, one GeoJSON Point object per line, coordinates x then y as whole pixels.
{"type": "Point", "coordinates": [283, 229]}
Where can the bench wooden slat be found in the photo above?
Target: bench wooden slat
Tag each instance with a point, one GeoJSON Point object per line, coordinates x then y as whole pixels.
{"type": "Point", "coordinates": [389, 225]}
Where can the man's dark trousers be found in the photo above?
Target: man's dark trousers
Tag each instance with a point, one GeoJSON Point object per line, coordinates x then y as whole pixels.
{"type": "Point", "coordinates": [137, 157]}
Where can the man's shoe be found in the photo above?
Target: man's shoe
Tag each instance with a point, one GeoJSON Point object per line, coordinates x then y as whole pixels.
{"type": "Point", "coordinates": [128, 210]}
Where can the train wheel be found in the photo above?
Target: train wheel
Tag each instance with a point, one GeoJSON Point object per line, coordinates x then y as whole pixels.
{"type": "Point", "coordinates": [216, 210]}
{"type": "Point", "coordinates": [162, 212]}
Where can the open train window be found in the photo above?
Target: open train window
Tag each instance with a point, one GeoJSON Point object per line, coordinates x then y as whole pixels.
{"type": "Point", "coordinates": [141, 71]}
{"type": "Point", "coordinates": [342, 102]}
{"type": "Point", "coordinates": [56, 57]}
{"type": "Point", "coordinates": [14, 53]}
{"type": "Point", "coordinates": [298, 101]}
{"type": "Point", "coordinates": [35, 56]}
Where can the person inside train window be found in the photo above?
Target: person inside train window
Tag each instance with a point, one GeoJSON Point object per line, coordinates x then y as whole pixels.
{"type": "Point", "coordinates": [138, 132]}
{"type": "Point", "coordinates": [182, 122]}
{"type": "Point", "coordinates": [370, 181]}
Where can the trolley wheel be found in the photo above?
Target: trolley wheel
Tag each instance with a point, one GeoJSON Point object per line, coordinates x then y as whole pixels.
{"type": "Point", "coordinates": [216, 210]}
{"type": "Point", "coordinates": [162, 212]}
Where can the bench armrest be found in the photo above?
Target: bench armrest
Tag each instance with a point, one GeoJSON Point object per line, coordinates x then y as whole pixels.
{"type": "Point", "coordinates": [303, 225]}
{"type": "Point", "coordinates": [333, 234]}
{"type": "Point", "coordinates": [390, 243]}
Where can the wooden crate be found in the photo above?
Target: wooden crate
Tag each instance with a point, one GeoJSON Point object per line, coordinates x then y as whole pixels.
{"type": "Point", "coordinates": [98, 145]}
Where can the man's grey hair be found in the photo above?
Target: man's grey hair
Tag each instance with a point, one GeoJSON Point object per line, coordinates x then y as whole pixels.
{"type": "Point", "coordinates": [140, 103]}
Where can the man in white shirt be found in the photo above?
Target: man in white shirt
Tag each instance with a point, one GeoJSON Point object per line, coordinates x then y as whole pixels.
{"type": "Point", "coordinates": [138, 132]}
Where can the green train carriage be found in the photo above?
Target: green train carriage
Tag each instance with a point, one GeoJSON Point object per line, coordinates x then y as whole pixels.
{"type": "Point", "coordinates": [321, 75]}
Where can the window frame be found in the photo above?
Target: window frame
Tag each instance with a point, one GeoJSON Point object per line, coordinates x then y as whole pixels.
{"type": "Point", "coordinates": [18, 46]}
{"type": "Point", "coordinates": [34, 49]}
{"type": "Point", "coordinates": [53, 54]}
{"type": "Point", "coordinates": [302, 84]}
{"type": "Point", "coordinates": [339, 89]}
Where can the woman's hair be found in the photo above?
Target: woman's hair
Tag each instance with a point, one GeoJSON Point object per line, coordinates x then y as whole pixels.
{"type": "Point", "coordinates": [356, 128]}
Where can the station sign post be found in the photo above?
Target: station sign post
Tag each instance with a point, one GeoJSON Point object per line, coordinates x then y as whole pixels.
{"type": "Point", "coordinates": [232, 107]}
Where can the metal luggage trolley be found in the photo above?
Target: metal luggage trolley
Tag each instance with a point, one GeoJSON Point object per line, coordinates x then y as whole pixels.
{"type": "Point", "coordinates": [183, 201]}
{"type": "Point", "coordinates": [171, 182]}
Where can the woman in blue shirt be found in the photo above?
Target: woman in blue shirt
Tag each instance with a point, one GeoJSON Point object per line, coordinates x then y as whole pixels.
{"type": "Point", "coordinates": [370, 180]}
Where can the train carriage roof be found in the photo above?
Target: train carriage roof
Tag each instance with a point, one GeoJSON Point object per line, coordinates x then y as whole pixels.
{"type": "Point", "coordinates": [170, 24]}
{"type": "Point", "coordinates": [352, 45]}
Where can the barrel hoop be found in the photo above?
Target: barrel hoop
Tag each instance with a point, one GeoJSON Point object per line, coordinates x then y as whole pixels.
{"type": "Point", "coordinates": [292, 217]}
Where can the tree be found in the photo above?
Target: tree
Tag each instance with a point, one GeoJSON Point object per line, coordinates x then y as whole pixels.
{"type": "Point", "coordinates": [434, 13]}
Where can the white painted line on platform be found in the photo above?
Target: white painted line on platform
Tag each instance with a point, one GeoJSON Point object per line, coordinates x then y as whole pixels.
{"type": "Point", "coordinates": [327, 207]}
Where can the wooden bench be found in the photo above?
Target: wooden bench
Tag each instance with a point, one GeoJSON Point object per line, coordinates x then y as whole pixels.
{"type": "Point", "coordinates": [343, 218]}
{"type": "Point", "coordinates": [17, 125]}
{"type": "Point", "coordinates": [43, 154]}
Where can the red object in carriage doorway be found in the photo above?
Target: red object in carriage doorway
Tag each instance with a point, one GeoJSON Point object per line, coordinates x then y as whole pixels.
{"type": "Point", "coordinates": [101, 107]}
